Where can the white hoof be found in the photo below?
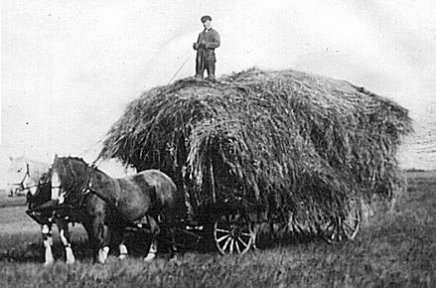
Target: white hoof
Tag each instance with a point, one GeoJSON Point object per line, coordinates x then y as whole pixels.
{"type": "Point", "coordinates": [150, 257]}
{"type": "Point", "coordinates": [48, 263]}
{"type": "Point", "coordinates": [123, 252]}
{"type": "Point", "coordinates": [102, 255]}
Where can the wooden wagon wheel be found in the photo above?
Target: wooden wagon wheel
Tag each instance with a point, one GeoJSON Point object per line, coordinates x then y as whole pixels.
{"type": "Point", "coordinates": [338, 230]}
{"type": "Point", "coordinates": [233, 234]}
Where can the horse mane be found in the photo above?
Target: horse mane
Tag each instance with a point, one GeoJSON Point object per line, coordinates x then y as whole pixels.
{"type": "Point", "coordinates": [74, 158]}
{"type": "Point", "coordinates": [72, 172]}
{"type": "Point", "coordinates": [69, 172]}
{"type": "Point", "coordinates": [84, 162]}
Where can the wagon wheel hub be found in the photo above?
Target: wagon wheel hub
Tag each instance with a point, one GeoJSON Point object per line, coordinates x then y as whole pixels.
{"type": "Point", "coordinates": [235, 231]}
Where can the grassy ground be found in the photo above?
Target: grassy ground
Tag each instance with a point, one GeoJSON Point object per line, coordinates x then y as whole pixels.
{"type": "Point", "coordinates": [397, 249]}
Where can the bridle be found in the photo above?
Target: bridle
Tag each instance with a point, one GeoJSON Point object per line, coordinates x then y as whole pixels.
{"type": "Point", "coordinates": [21, 183]}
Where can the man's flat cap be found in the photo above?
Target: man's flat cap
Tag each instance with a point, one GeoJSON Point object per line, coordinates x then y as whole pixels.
{"type": "Point", "coordinates": [205, 18]}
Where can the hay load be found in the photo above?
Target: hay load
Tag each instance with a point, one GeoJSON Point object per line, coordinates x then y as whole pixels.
{"type": "Point", "coordinates": [286, 144]}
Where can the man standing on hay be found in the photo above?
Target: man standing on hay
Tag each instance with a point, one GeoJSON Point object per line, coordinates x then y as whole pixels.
{"type": "Point", "coordinates": [208, 40]}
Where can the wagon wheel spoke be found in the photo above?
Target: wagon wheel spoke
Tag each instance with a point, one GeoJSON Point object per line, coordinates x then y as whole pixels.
{"type": "Point", "coordinates": [330, 226]}
{"type": "Point", "coordinates": [223, 238]}
{"type": "Point", "coordinates": [351, 224]}
{"type": "Point", "coordinates": [232, 243]}
{"type": "Point", "coordinates": [237, 247]}
{"type": "Point", "coordinates": [349, 231]}
{"type": "Point", "coordinates": [245, 244]}
{"type": "Point", "coordinates": [331, 233]}
{"type": "Point", "coordinates": [226, 244]}
{"type": "Point", "coordinates": [329, 229]}
{"type": "Point", "coordinates": [245, 235]}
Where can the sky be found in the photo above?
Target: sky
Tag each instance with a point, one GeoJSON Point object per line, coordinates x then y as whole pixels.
{"type": "Point", "coordinates": [69, 68]}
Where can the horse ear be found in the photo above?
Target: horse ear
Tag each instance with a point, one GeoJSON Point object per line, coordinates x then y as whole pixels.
{"type": "Point", "coordinates": [56, 156]}
{"type": "Point", "coordinates": [11, 158]}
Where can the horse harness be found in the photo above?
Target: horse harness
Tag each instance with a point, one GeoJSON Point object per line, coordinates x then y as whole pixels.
{"type": "Point", "coordinates": [134, 225]}
{"type": "Point", "coordinates": [21, 183]}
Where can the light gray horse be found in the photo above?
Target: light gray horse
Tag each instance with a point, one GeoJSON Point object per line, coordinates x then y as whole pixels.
{"type": "Point", "coordinates": [26, 174]}
{"type": "Point", "coordinates": [33, 177]}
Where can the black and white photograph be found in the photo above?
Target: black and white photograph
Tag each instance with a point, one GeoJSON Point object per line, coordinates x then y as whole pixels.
{"type": "Point", "coordinates": [157, 143]}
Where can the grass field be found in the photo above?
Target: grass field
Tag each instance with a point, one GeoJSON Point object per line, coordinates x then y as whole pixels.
{"type": "Point", "coordinates": [396, 249]}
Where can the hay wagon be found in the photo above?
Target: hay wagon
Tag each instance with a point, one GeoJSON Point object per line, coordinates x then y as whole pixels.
{"type": "Point", "coordinates": [260, 147]}
{"type": "Point", "coordinates": [232, 229]}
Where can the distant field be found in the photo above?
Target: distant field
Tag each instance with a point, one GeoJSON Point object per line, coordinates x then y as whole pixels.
{"type": "Point", "coordinates": [6, 201]}
{"type": "Point", "coordinates": [398, 249]}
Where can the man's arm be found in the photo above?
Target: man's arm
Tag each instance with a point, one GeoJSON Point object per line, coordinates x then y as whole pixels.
{"type": "Point", "coordinates": [196, 45]}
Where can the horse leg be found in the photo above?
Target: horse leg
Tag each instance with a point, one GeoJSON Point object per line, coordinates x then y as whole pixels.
{"type": "Point", "coordinates": [116, 233]}
{"type": "Point", "coordinates": [172, 233]}
{"type": "Point", "coordinates": [122, 248]}
{"type": "Point", "coordinates": [64, 234]}
{"type": "Point", "coordinates": [173, 248]}
{"type": "Point", "coordinates": [155, 230]}
{"type": "Point", "coordinates": [152, 251]}
{"type": "Point", "coordinates": [92, 240]}
{"type": "Point", "coordinates": [101, 237]}
{"type": "Point", "coordinates": [48, 242]}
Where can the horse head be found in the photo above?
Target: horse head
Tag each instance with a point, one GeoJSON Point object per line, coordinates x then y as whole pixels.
{"type": "Point", "coordinates": [43, 191]}
{"type": "Point", "coordinates": [69, 177]}
{"type": "Point", "coordinates": [17, 174]}
{"type": "Point", "coordinates": [25, 174]}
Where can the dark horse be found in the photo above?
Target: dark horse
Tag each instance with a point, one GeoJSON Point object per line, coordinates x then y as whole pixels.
{"type": "Point", "coordinates": [69, 203]}
{"type": "Point", "coordinates": [142, 199]}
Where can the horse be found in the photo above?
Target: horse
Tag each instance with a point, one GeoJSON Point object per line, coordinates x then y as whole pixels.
{"type": "Point", "coordinates": [33, 177]}
{"type": "Point", "coordinates": [94, 213]}
{"type": "Point", "coordinates": [145, 198]}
